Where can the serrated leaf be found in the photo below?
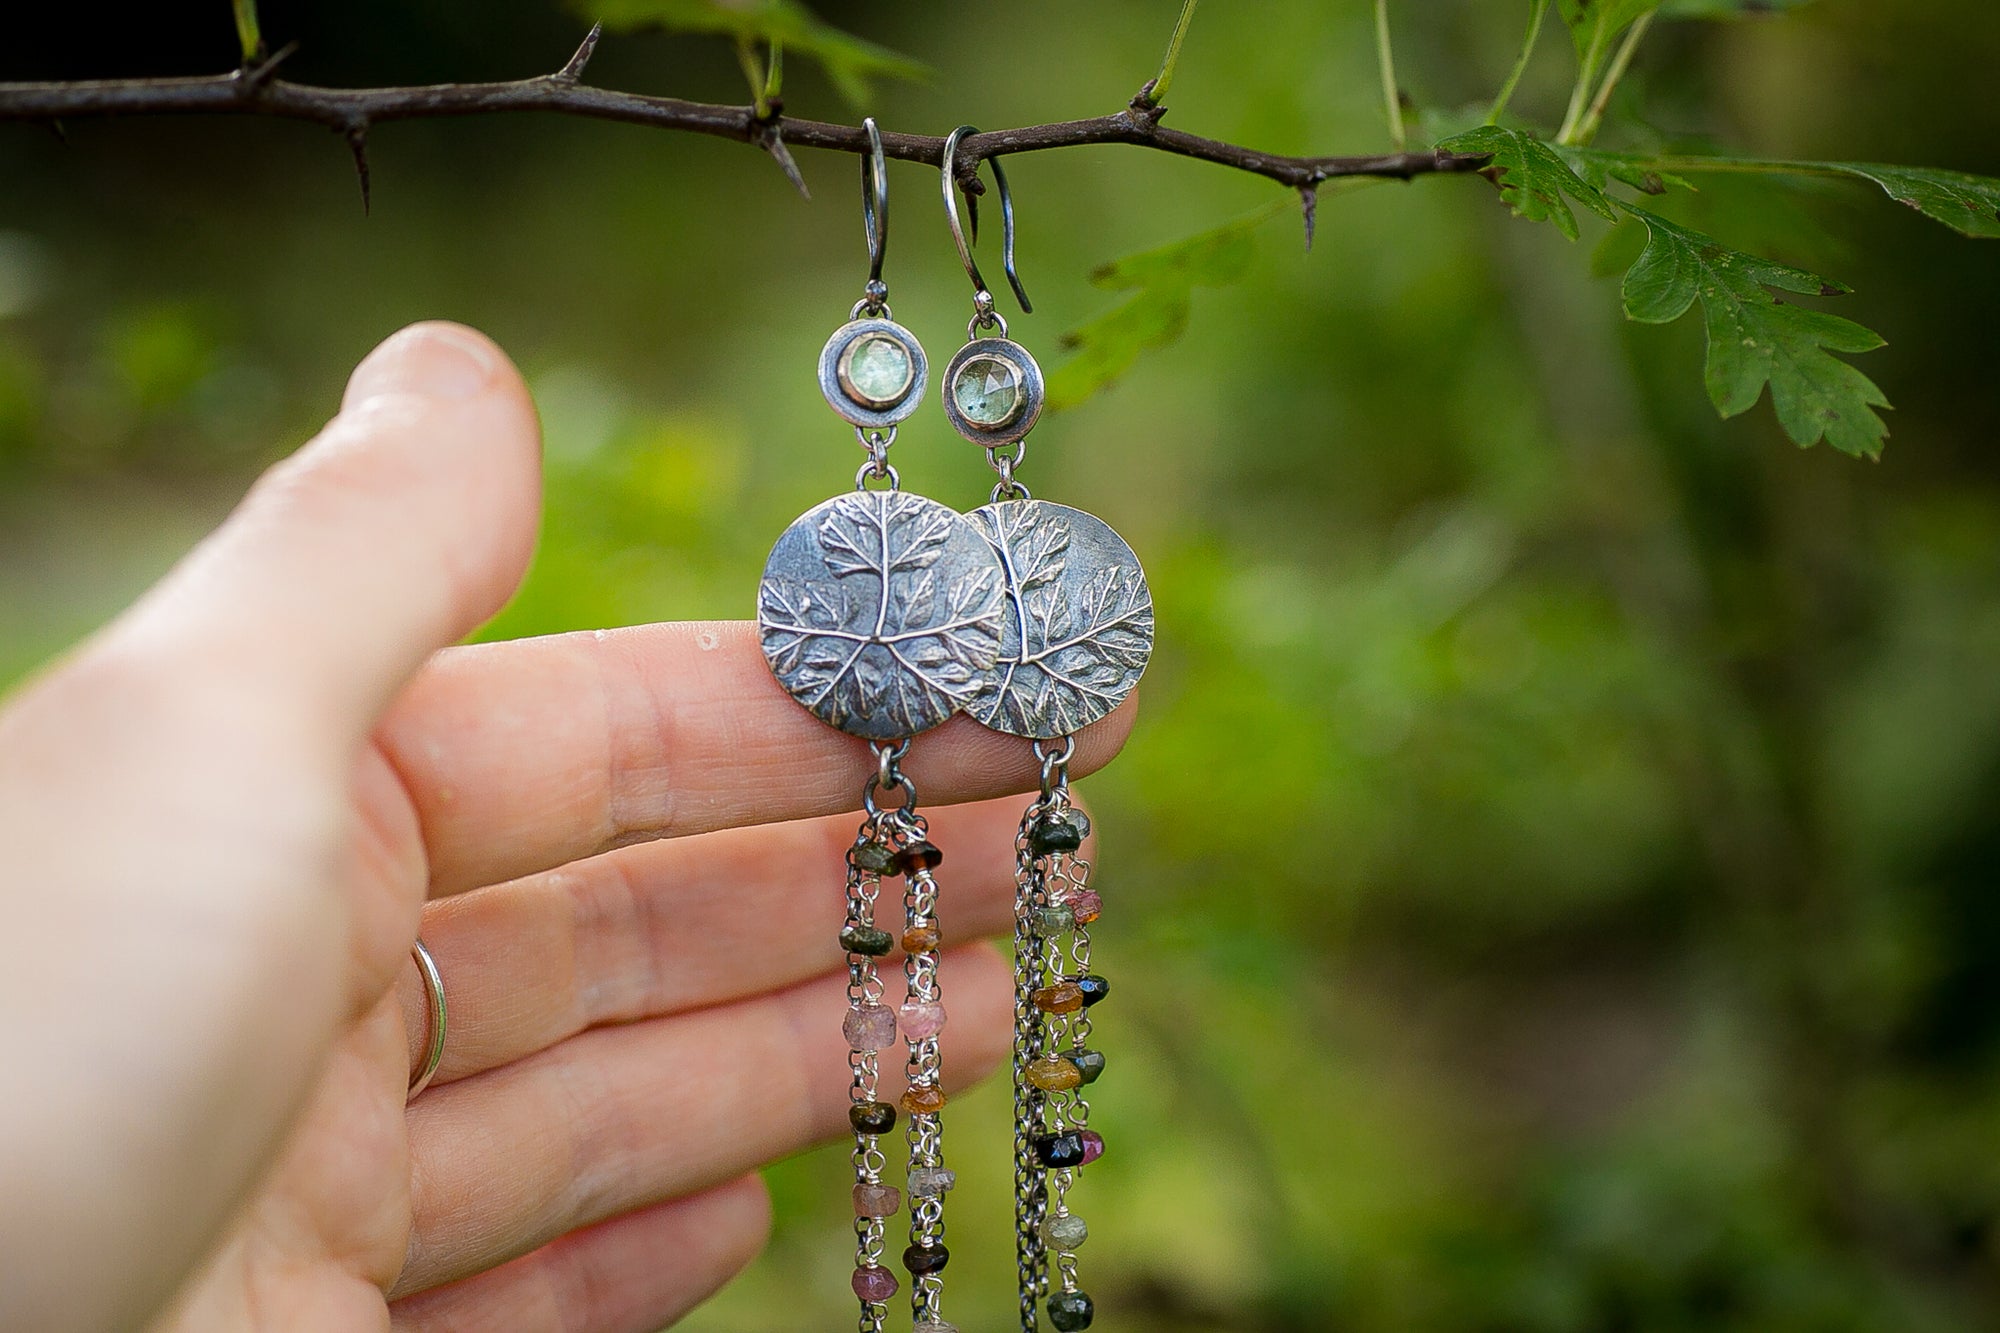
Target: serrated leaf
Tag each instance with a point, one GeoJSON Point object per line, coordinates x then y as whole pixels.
{"type": "Point", "coordinates": [1162, 283]}
{"type": "Point", "coordinates": [1756, 338]}
{"type": "Point", "coordinates": [1594, 21]}
{"type": "Point", "coordinates": [1968, 204]}
{"type": "Point", "coordinates": [1533, 177]}
{"type": "Point", "coordinates": [849, 61]}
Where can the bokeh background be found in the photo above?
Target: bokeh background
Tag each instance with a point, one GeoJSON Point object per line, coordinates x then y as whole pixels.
{"type": "Point", "coordinates": [1552, 887]}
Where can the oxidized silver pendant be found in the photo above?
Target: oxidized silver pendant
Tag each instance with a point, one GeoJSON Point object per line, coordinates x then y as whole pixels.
{"type": "Point", "coordinates": [882, 612]}
{"type": "Point", "coordinates": [1079, 619]}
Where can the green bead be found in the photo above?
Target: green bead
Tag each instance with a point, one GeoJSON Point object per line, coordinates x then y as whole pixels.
{"type": "Point", "coordinates": [1058, 832]}
{"type": "Point", "coordinates": [1088, 1063]}
{"type": "Point", "coordinates": [1070, 1311]}
{"type": "Point", "coordinates": [1066, 1232]}
{"type": "Point", "coordinates": [1054, 920]}
{"type": "Point", "coordinates": [867, 940]}
{"type": "Point", "coordinates": [874, 857]}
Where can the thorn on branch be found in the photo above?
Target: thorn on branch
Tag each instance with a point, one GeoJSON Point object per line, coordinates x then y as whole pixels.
{"type": "Point", "coordinates": [573, 71]}
{"type": "Point", "coordinates": [357, 143]}
{"type": "Point", "coordinates": [1309, 203]}
{"type": "Point", "coordinates": [252, 79]}
{"type": "Point", "coordinates": [769, 135]}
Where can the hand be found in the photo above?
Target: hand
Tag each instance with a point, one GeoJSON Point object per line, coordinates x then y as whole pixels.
{"type": "Point", "coordinates": [225, 819]}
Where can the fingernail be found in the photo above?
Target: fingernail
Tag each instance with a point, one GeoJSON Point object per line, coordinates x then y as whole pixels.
{"type": "Point", "coordinates": [434, 360]}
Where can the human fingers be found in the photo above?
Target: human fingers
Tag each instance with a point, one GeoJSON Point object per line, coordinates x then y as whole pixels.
{"type": "Point", "coordinates": [622, 1117]}
{"type": "Point", "coordinates": [523, 756]}
{"type": "Point", "coordinates": [175, 795]}
{"type": "Point", "coordinates": [673, 925]}
{"type": "Point", "coordinates": [632, 1274]}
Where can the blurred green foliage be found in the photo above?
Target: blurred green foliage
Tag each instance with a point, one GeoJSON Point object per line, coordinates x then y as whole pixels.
{"type": "Point", "coordinates": [1551, 889]}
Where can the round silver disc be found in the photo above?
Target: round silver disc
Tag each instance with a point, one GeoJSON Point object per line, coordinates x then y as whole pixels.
{"type": "Point", "coordinates": [1078, 628]}
{"type": "Point", "coordinates": [881, 612]}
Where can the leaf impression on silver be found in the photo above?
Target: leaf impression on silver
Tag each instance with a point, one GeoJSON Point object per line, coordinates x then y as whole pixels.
{"type": "Point", "coordinates": [1079, 619]}
{"type": "Point", "coordinates": [881, 612]}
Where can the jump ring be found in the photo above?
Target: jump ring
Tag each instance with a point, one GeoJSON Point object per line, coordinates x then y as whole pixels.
{"type": "Point", "coordinates": [427, 970]}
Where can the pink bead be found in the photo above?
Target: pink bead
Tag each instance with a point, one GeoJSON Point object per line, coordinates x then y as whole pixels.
{"type": "Point", "coordinates": [1093, 1145]}
{"type": "Point", "coordinates": [872, 1027]}
{"type": "Point", "coordinates": [1087, 906]}
{"type": "Point", "coordinates": [874, 1285]}
{"type": "Point", "coordinates": [920, 1020]}
{"type": "Point", "coordinates": [877, 1200]}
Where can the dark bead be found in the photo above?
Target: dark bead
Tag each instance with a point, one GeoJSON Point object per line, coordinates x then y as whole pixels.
{"type": "Point", "coordinates": [1052, 832]}
{"type": "Point", "coordinates": [919, 855]}
{"type": "Point", "coordinates": [1070, 1311]}
{"type": "Point", "coordinates": [921, 1259]}
{"type": "Point", "coordinates": [867, 940]}
{"type": "Point", "coordinates": [873, 857]}
{"type": "Point", "coordinates": [872, 1117]}
{"type": "Point", "coordinates": [1088, 1063]}
{"type": "Point", "coordinates": [1058, 1151]}
{"type": "Point", "coordinates": [1094, 988]}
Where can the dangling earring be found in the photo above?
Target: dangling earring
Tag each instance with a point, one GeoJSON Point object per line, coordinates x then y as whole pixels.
{"type": "Point", "coordinates": [1075, 638]}
{"type": "Point", "coordinates": [880, 611]}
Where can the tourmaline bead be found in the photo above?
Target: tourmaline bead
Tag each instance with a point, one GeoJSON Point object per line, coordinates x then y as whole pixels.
{"type": "Point", "coordinates": [1052, 1073]}
{"type": "Point", "coordinates": [920, 1259]}
{"type": "Point", "coordinates": [875, 1285]}
{"type": "Point", "coordinates": [1070, 1311]}
{"type": "Point", "coordinates": [1086, 906]}
{"type": "Point", "coordinates": [872, 1027]}
{"type": "Point", "coordinates": [1066, 1232]}
{"type": "Point", "coordinates": [930, 1181]}
{"type": "Point", "coordinates": [874, 857]}
{"type": "Point", "coordinates": [920, 1019]}
{"type": "Point", "coordinates": [872, 1117]}
{"type": "Point", "coordinates": [919, 855]}
{"type": "Point", "coordinates": [1052, 833]}
{"type": "Point", "coordinates": [921, 939]}
{"type": "Point", "coordinates": [1065, 997]}
{"type": "Point", "coordinates": [1088, 1063]}
{"type": "Point", "coordinates": [867, 940]}
{"type": "Point", "coordinates": [1094, 988]}
{"type": "Point", "coordinates": [924, 1101]}
{"type": "Point", "coordinates": [1058, 1151]}
{"type": "Point", "coordinates": [877, 1200]}
{"type": "Point", "coordinates": [1093, 1145]}
{"type": "Point", "coordinates": [1054, 920]}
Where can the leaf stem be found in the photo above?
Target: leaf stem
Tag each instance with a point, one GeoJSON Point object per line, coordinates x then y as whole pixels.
{"type": "Point", "coordinates": [1156, 91]}
{"type": "Point", "coordinates": [1392, 97]}
{"type": "Point", "coordinates": [774, 80]}
{"type": "Point", "coordinates": [753, 74]}
{"type": "Point", "coordinates": [1539, 11]}
{"type": "Point", "coordinates": [249, 33]}
{"type": "Point", "coordinates": [1622, 63]}
{"type": "Point", "coordinates": [1586, 80]}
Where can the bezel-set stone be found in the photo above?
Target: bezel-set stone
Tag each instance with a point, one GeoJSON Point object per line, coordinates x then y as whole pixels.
{"type": "Point", "coordinates": [868, 356]}
{"type": "Point", "coordinates": [853, 391]}
{"type": "Point", "coordinates": [991, 429]}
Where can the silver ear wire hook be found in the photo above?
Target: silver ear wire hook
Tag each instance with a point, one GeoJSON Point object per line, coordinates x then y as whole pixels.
{"type": "Point", "coordinates": [875, 209]}
{"type": "Point", "coordinates": [958, 232]}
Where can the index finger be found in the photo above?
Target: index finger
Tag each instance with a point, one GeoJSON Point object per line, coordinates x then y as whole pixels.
{"type": "Point", "coordinates": [519, 757]}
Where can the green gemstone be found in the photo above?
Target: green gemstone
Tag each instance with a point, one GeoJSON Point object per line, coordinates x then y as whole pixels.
{"type": "Point", "coordinates": [1054, 920]}
{"type": "Point", "coordinates": [988, 391]}
{"type": "Point", "coordinates": [1066, 1232]}
{"type": "Point", "coordinates": [877, 371]}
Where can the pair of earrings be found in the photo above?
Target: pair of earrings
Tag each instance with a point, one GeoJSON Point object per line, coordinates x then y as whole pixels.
{"type": "Point", "coordinates": [885, 613]}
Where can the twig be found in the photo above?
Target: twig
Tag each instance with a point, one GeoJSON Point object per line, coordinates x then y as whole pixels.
{"type": "Point", "coordinates": [352, 112]}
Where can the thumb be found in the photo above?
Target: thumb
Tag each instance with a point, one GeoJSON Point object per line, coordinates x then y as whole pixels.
{"type": "Point", "coordinates": [406, 523]}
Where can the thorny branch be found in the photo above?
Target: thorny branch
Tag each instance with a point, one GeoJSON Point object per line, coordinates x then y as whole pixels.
{"type": "Point", "coordinates": [353, 112]}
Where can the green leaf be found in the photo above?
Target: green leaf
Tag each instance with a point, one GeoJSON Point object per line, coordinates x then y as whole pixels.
{"type": "Point", "coordinates": [1162, 283]}
{"type": "Point", "coordinates": [1599, 167]}
{"type": "Point", "coordinates": [1968, 204]}
{"type": "Point", "coordinates": [849, 61]}
{"type": "Point", "coordinates": [1533, 176]}
{"type": "Point", "coordinates": [1598, 21]}
{"type": "Point", "coordinates": [1756, 338]}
